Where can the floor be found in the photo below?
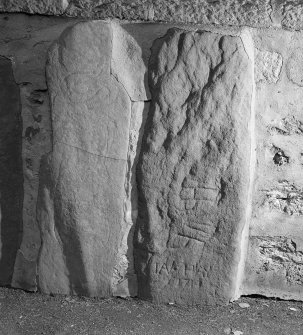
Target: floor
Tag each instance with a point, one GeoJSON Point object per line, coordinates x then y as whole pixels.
{"type": "Point", "coordinates": [32, 313]}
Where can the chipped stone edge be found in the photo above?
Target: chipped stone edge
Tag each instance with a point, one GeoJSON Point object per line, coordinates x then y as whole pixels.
{"type": "Point", "coordinates": [248, 44]}
{"type": "Point", "coordinates": [126, 227]}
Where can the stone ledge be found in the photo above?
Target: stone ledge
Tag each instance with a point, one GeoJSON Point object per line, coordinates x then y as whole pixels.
{"type": "Point", "coordinates": [259, 13]}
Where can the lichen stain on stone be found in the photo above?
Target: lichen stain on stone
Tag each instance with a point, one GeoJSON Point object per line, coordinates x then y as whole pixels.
{"type": "Point", "coordinates": [286, 198]}
{"type": "Point", "coordinates": [280, 254]}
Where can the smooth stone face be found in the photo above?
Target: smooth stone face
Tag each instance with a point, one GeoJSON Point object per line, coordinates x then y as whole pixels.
{"type": "Point", "coordinates": [11, 174]}
{"type": "Point", "coordinates": [194, 171]}
{"type": "Point", "coordinates": [295, 67]}
{"type": "Point", "coordinates": [128, 66]}
{"type": "Point", "coordinates": [125, 278]}
{"type": "Point", "coordinates": [81, 191]}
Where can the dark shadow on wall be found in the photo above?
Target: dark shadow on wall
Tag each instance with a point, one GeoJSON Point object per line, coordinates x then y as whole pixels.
{"type": "Point", "coordinates": [11, 174]}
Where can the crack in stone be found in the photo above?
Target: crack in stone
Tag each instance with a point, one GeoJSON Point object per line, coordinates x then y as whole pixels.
{"type": "Point", "coordinates": [91, 153]}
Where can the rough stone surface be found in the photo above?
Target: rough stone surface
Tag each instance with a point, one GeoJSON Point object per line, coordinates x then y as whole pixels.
{"type": "Point", "coordinates": [81, 183]}
{"type": "Point", "coordinates": [276, 236]}
{"type": "Point", "coordinates": [276, 222]}
{"type": "Point", "coordinates": [194, 172]}
{"type": "Point", "coordinates": [11, 176]}
{"type": "Point", "coordinates": [278, 265]}
{"type": "Point", "coordinates": [232, 12]}
{"type": "Point", "coordinates": [286, 198]}
{"type": "Point", "coordinates": [260, 13]}
{"type": "Point", "coordinates": [292, 14]}
{"type": "Point", "coordinates": [268, 66]}
{"type": "Point", "coordinates": [52, 7]}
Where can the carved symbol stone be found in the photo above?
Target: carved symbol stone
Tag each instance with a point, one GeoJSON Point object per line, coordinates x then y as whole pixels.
{"type": "Point", "coordinates": [194, 172]}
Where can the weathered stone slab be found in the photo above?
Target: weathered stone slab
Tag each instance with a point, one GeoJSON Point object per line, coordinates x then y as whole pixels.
{"type": "Point", "coordinates": [80, 206]}
{"type": "Point", "coordinates": [11, 176]}
{"type": "Point", "coordinates": [195, 171]}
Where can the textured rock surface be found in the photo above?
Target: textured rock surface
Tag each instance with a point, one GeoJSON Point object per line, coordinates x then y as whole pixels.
{"type": "Point", "coordinates": [273, 265]}
{"type": "Point", "coordinates": [11, 176]}
{"type": "Point", "coordinates": [54, 7]}
{"type": "Point", "coordinates": [278, 263]}
{"type": "Point", "coordinates": [267, 66]}
{"type": "Point", "coordinates": [260, 13]}
{"type": "Point", "coordinates": [202, 11]}
{"type": "Point", "coordinates": [292, 14]}
{"type": "Point", "coordinates": [81, 183]}
{"type": "Point", "coordinates": [194, 172]}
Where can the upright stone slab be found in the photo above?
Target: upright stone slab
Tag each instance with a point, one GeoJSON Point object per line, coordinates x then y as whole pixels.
{"type": "Point", "coordinates": [195, 169]}
{"type": "Point", "coordinates": [81, 191]}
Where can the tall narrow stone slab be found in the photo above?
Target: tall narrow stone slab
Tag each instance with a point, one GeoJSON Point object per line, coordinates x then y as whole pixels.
{"type": "Point", "coordinates": [11, 176]}
{"type": "Point", "coordinates": [194, 173]}
{"type": "Point", "coordinates": [81, 190]}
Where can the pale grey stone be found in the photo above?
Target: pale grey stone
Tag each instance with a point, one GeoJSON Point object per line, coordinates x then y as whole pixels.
{"type": "Point", "coordinates": [125, 279]}
{"type": "Point", "coordinates": [295, 67]}
{"type": "Point", "coordinates": [267, 66]}
{"type": "Point", "coordinates": [127, 64]}
{"type": "Point", "coordinates": [275, 267]}
{"type": "Point", "coordinates": [276, 221]}
{"type": "Point", "coordinates": [259, 13]}
{"type": "Point", "coordinates": [80, 204]}
{"type": "Point", "coordinates": [199, 134]}
{"type": "Point", "coordinates": [233, 12]}
{"type": "Point", "coordinates": [52, 7]}
{"type": "Point", "coordinates": [292, 14]}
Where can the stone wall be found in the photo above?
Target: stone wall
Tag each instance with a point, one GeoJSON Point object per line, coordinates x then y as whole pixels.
{"type": "Point", "coordinates": [159, 160]}
{"type": "Point", "coordinates": [255, 13]}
